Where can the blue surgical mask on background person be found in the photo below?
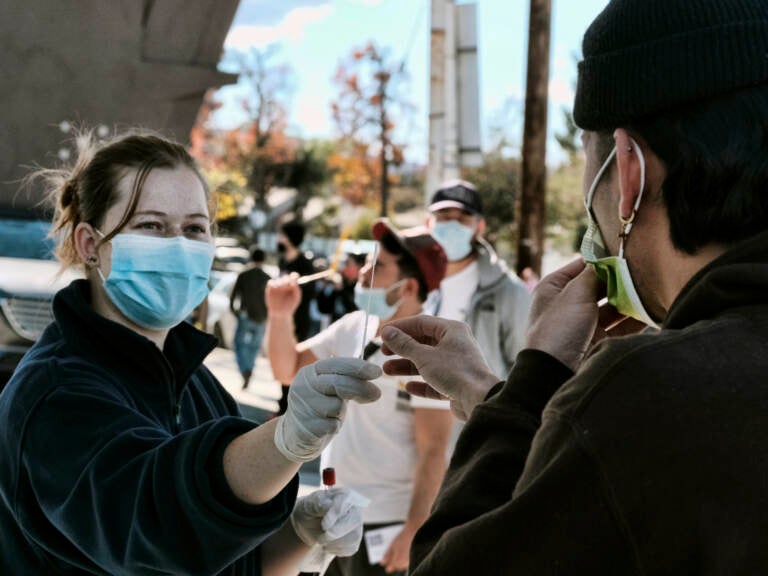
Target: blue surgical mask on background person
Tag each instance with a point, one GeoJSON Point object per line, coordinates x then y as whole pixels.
{"type": "Point", "coordinates": [374, 300]}
{"type": "Point", "coordinates": [157, 282]}
{"type": "Point", "coordinates": [455, 238]}
{"type": "Point", "coordinates": [614, 270]}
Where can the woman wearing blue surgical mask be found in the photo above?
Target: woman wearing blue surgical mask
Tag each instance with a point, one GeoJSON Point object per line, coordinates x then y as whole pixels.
{"type": "Point", "coordinates": [123, 453]}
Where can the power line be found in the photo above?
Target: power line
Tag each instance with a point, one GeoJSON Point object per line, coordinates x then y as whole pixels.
{"type": "Point", "coordinates": [414, 30]}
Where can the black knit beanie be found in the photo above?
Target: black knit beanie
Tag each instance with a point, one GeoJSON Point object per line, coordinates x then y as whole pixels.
{"type": "Point", "coordinates": [643, 57]}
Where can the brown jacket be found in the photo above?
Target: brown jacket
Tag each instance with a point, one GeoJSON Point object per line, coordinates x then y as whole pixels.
{"type": "Point", "coordinates": [650, 460]}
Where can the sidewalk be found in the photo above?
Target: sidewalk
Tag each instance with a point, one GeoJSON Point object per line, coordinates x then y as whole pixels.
{"type": "Point", "coordinates": [262, 393]}
{"type": "Point", "coordinates": [259, 401]}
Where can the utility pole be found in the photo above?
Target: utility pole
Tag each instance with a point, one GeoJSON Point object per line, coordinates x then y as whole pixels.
{"type": "Point", "coordinates": [530, 246]}
{"type": "Point", "coordinates": [454, 112]}
{"type": "Point", "coordinates": [385, 140]}
{"type": "Point", "coordinates": [442, 163]}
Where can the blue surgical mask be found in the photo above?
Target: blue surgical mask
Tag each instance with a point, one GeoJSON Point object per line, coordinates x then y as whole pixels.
{"type": "Point", "coordinates": [614, 270]}
{"type": "Point", "coordinates": [455, 238]}
{"type": "Point", "coordinates": [157, 282]}
{"type": "Point", "coordinates": [374, 300]}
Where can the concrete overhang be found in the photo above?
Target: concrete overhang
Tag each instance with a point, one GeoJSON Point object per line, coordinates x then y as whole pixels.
{"type": "Point", "coordinates": [117, 63]}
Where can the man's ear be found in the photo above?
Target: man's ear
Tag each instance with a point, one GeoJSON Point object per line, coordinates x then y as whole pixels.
{"type": "Point", "coordinates": [630, 171]}
{"type": "Point", "coordinates": [411, 288]}
{"type": "Point", "coordinates": [480, 227]}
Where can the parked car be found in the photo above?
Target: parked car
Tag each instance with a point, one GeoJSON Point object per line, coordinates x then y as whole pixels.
{"type": "Point", "coordinates": [230, 255]}
{"type": "Point", "coordinates": [221, 322]}
{"type": "Point", "coordinates": [29, 277]}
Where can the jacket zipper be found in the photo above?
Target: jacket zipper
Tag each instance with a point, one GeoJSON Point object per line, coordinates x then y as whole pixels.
{"type": "Point", "coordinates": [176, 416]}
{"type": "Point", "coordinates": [175, 405]}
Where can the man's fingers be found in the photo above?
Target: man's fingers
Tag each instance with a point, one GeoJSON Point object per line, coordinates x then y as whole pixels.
{"type": "Point", "coordinates": [562, 276]}
{"type": "Point", "coordinates": [387, 558]}
{"type": "Point", "coordinates": [423, 329]}
{"type": "Point", "coordinates": [424, 390]}
{"type": "Point", "coordinates": [400, 343]}
{"type": "Point", "coordinates": [283, 283]}
{"type": "Point", "coordinates": [400, 367]}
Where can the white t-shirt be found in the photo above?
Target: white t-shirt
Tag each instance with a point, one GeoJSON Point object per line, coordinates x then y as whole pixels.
{"type": "Point", "coordinates": [374, 453]}
{"type": "Point", "coordinates": [452, 301]}
{"type": "Point", "coordinates": [456, 293]}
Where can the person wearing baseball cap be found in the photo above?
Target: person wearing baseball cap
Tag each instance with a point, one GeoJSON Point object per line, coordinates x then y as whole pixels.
{"type": "Point", "coordinates": [643, 454]}
{"type": "Point", "coordinates": [478, 287]}
{"type": "Point", "coordinates": [392, 451]}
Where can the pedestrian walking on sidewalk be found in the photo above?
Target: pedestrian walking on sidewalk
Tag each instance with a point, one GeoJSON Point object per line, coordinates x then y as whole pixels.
{"type": "Point", "coordinates": [247, 303]}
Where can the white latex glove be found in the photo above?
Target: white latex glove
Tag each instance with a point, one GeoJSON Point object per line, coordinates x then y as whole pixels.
{"type": "Point", "coordinates": [317, 404]}
{"type": "Point", "coordinates": [332, 519]}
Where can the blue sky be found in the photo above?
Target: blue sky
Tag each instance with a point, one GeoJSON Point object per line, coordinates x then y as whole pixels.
{"type": "Point", "coordinates": [313, 35]}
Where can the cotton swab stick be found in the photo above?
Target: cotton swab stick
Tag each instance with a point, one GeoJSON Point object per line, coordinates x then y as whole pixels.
{"type": "Point", "coordinates": [368, 306]}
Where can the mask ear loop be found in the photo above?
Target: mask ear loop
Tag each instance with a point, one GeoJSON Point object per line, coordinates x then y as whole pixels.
{"type": "Point", "coordinates": [596, 181]}
{"type": "Point", "coordinates": [627, 223]}
{"type": "Point", "coordinates": [93, 261]}
{"type": "Point", "coordinates": [396, 286]}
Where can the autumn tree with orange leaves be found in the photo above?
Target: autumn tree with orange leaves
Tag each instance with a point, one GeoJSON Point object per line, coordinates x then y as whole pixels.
{"type": "Point", "coordinates": [258, 150]}
{"type": "Point", "coordinates": [209, 148]}
{"type": "Point", "coordinates": [369, 97]}
{"type": "Point", "coordinates": [262, 142]}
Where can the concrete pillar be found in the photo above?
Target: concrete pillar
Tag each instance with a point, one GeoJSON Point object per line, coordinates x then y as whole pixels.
{"type": "Point", "coordinates": [454, 123]}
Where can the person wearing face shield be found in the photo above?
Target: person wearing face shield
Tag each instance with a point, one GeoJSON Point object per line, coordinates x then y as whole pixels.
{"type": "Point", "coordinates": [613, 448]}
{"type": "Point", "coordinates": [478, 288]}
{"type": "Point", "coordinates": [392, 452]}
{"type": "Point", "coordinates": [122, 453]}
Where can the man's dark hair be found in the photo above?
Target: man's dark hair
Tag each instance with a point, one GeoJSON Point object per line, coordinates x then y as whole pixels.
{"type": "Point", "coordinates": [294, 231]}
{"type": "Point", "coordinates": [257, 255]}
{"type": "Point", "coordinates": [358, 258]}
{"type": "Point", "coordinates": [716, 156]}
{"type": "Point", "coordinates": [409, 268]}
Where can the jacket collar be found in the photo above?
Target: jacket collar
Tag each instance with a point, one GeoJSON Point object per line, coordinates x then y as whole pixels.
{"type": "Point", "coordinates": [118, 348]}
{"type": "Point", "coordinates": [738, 278]}
{"type": "Point", "coordinates": [491, 269]}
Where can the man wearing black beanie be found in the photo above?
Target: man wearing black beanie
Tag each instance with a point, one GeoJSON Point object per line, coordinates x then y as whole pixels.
{"type": "Point", "coordinates": [643, 454]}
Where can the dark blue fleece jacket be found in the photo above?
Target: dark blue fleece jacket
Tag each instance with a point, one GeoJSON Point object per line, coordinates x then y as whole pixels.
{"type": "Point", "coordinates": [112, 456]}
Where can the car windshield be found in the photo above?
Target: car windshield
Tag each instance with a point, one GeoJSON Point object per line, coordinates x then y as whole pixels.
{"type": "Point", "coordinates": [26, 239]}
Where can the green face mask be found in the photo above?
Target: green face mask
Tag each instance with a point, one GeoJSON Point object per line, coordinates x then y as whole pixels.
{"type": "Point", "coordinates": [614, 270]}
